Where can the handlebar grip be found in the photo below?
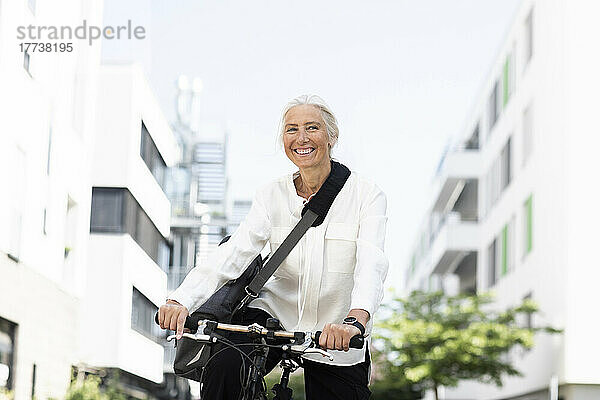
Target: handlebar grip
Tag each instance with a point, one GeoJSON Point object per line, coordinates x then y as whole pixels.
{"type": "Point", "coordinates": [190, 323]}
{"type": "Point", "coordinates": [356, 341]}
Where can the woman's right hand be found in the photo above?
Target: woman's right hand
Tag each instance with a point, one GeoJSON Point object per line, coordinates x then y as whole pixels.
{"type": "Point", "coordinates": [172, 315]}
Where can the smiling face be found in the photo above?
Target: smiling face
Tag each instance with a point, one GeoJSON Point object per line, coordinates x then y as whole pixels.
{"type": "Point", "coordinates": [305, 138]}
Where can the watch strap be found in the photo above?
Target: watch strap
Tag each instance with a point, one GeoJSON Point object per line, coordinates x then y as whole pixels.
{"type": "Point", "coordinates": [353, 321]}
{"type": "Point", "coordinates": [360, 326]}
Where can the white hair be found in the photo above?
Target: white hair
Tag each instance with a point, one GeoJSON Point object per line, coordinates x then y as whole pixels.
{"type": "Point", "coordinates": [331, 123]}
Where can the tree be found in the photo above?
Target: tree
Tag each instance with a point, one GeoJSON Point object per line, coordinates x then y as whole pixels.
{"type": "Point", "coordinates": [433, 340]}
{"type": "Point", "coordinates": [91, 388]}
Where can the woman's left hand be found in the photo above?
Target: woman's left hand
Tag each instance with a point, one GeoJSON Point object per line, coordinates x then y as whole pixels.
{"type": "Point", "coordinates": [337, 336]}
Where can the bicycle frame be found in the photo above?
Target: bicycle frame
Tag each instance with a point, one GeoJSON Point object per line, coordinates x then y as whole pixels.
{"type": "Point", "coordinates": [299, 343]}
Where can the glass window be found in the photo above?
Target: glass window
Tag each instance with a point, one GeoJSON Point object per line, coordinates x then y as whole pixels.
{"type": "Point", "coordinates": [507, 237]}
{"type": "Point", "coordinates": [492, 263]}
{"type": "Point", "coordinates": [473, 142]}
{"type": "Point", "coordinates": [142, 316]}
{"type": "Point", "coordinates": [511, 253]}
{"type": "Point", "coordinates": [527, 134]}
{"type": "Point", "coordinates": [107, 210]}
{"type": "Point", "coordinates": [151, 156]}
{"type": "Point", "coordinates": [7, 350]}
{"type": "Point", "coordinates": [27, 62]}
{"type": "Point", "coordinates": [528, 225]}
{"type": "Point", "coordinates": [44, 217]}
{"type": "Point", "coordinates": [493, 108]}
{"type": "Point", "coordinates": [115, 210]}
{"type": "Point", "coordinates": [505, 165]}
{"type": "Point", "coordinates": [528, 317]}
{"type": "Point", "coordinates": [16, 208]}
{"type": "Point", "coordinates": [528, 42]}
{"type": "Point", "coordinates": [508, 77]}
{"type": "Point", "coordinates": [506, 81]}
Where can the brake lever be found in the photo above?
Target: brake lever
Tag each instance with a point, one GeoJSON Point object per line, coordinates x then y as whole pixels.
{"type": "Point", "coordinates": [197, 336]}
{"type": "Point", "coordinates": [314, 350]}
{"type": "Point", "coordinates": [306, 348]}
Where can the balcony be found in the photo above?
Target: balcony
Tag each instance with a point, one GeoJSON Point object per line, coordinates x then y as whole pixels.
{"type": "Point", "coordinates": [456, 169]}
{"type": "Point", "coordinates": [453, 241]}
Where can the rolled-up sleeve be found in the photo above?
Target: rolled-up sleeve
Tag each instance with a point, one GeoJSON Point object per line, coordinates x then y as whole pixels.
{"type": "Point", "coordinates": [371, 262]}
{"type": "Point", "coordinates": [227, 261]}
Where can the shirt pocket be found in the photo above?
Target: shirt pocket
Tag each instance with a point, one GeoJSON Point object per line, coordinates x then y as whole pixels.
{"type": "Point", "coordinates": [340, 247]}
{"type": "Point", "coordinates": [291, 264]}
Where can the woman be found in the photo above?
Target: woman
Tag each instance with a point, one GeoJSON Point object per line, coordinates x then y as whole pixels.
{"type": "Point", "coordinates": [336, 271]}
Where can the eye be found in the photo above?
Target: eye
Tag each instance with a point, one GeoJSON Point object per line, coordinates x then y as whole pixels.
{"type": "Point", "coordinates": [290, 130]}
{"type": "Point", "coordinates": [313, 127]}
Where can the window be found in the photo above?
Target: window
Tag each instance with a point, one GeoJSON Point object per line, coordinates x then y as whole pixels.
{"type": "Point", "coordinates": [528, 42]}
{"type": "Point", "coordinates": [528, 317]}
{"type": "Point", "coordinates": [528, 226]}
{"type": "Point", "coordinates": [507, 240]}
{"type": "Point", "coordinates": [505, 165]}
{"type": "Point", "coordinates": [501, 253]}
{"type": "Point", "coordinates": [492, 256]}
{"type": "Point", "coordinates": [115, 210]}
{"type": "Point", "coordinates": [142, 316]}
{"type": "Point", "coordinates": [493, 106]}
{"type": "Point", "coordinates": [44, 218]}
{"type": "Point", "coordinates": [17, 206]}
{"type": "Point", "coordinates": [7, 350]}
{"type": "Point", "coordinates": [473, 142]}
{"type": "Point", "coordinates": [107, 210]}
{"type": "Point", "coordinates": [27, 62]}
{"type": "Point", "coordinates": [152, 157]}
{"type": "Point", "coordinates": [499, 176]}
{"type": "Point", "coordinates": [527, 134]}
{"type": "Point", "coordinates": [493, 185]}
{"type": "Point", "coordinates": [508, 78]}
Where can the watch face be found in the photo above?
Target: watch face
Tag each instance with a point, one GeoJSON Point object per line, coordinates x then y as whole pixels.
{"type": "Point", "coordinates": [349, 320]}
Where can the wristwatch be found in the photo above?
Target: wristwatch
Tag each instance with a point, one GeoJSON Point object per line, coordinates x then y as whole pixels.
{"type": "Point", "coordinates": [354, 321]}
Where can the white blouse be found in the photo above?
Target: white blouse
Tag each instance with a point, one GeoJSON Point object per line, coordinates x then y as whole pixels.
{"type": "Point", "coordinates": [337, 266]}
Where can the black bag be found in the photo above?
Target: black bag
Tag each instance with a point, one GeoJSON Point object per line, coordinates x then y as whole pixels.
{"type": "Point", "coordinates": [223, 303]}
{"type": "Point", "coordinates": [191, 356]}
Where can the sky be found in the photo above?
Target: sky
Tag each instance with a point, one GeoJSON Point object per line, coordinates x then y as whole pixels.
{"type": "Point", "coordinates": [401, 77]}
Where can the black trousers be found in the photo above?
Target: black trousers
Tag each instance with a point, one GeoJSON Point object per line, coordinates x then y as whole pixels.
{"type": "Point", "coordinates": [321, 381]}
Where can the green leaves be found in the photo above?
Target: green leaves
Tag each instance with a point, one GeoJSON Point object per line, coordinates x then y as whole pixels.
{"type": "Point", "coordinates": [431, 339]}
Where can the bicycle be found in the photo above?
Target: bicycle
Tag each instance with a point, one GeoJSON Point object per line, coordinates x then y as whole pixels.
{"type": "Point", "coordinates": [294, 345]}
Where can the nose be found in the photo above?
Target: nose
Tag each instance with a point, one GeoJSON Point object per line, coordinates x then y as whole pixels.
{"type": "Point", "coordinates": [302, 135]}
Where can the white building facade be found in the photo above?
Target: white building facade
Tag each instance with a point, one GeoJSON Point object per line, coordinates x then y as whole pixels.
{"type": "Point", "coordinates": [46, 110]}
{"type": "Point", "coordinates": [130, 223]}
{"type": "Point", "coordinates": [514, 203]}
{"type": "Point", "coordinates": [84, 220]}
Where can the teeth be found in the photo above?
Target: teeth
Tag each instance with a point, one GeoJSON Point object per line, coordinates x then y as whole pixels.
{"type": "Point", "coordinates": [303, 151]}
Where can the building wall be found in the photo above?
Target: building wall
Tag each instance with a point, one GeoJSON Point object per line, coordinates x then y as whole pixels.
{"type": "Point", "coordinates": [108, 339]}
{"type": "Point", "coordinates": [45, 137]}
{"type": "Point", "coordinates": [116, 262]}
{"type": "Point", "coordinates": [559, 86]}
{"type": "Point", "coordinates": [46, 333]}
{"type": "Point", "coordinates": [582, 192]}
{"type": "Point", "coordinates": [67, 123]}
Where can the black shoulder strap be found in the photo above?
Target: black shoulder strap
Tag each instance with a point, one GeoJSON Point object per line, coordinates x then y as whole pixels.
{"type": "Point", "coordinates": [313, 214]}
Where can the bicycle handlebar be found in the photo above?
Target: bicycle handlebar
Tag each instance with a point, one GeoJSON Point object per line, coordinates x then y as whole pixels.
{"type": "Point", "coordinates": [356, 341]}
